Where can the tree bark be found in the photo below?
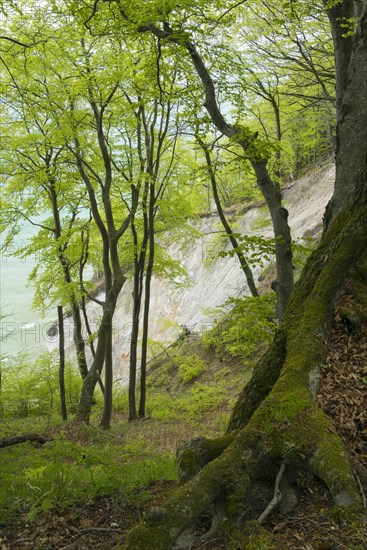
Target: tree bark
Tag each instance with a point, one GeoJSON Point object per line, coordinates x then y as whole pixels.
{"type": "Point", "coordinates": [235, 244]}
{"type": "Point", "coordinates": [36, 438]}
{"type": "Point", "coordinates": [351, 132]}
{"type": "Point", "coordinates": [60, 316]}
{"type": "Point", "coordinates": [148, 281]}
{"type": "Point", "coordinates": [139, 266]}
{"type": "Point", "coordinates": [283, 251]}
{"type": "Point", "coordinates": [284, 283]}
{"type": "Point", "coordinates": [79, 342]}
{"type": "Point", "coordinates": [107, 395]}
{"type": "Point", "coordinates": [90, 381]}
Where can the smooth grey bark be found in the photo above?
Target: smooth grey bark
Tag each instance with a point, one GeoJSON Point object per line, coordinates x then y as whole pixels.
{"type": "Point", "coordinates": [139, 266]}
{"type": "Point", "coordinates": [66, 268]}
{"type": "Point", "coordinates": [78, 339]}
{"type": "Point", "coordinates": [108, 371]}
{"type": "Point", "coordinates": [90, 381]}
{"type": "Point", "coordinates": [351, 133]}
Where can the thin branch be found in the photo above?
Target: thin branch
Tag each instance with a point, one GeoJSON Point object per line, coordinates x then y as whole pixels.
{"type": "Point", "coordinates": [14, 41]}
{"type": "Point", "coordinates": [229, 10]}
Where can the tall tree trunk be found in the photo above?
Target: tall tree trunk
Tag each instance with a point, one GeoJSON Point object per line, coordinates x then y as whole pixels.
{"type": "Point", "coordinates": [65, 265]}
{"type": "Point", "coordinates": [235, 244]}
{"type": "Point", "coordinates": [90, 381]}
{"type": "Point", "coordinates": [79, 342]}
{"type": "Point", "coordinates": [351, 131]}
{"type": "Point", "coordinates": [60, 316]}
{"type": "Point", "coordinates": [107, 396]}
{"type": "Point", "coordinates": [283, 420]}
{"type": "Point", "coordinates": [90, 337]}
{"type": "Point", "coordinates": [284, 283]}
{"type": "Point", "coordinates": [139, 266]}
{"type": "Point", "coordinates": [148, 281]}
{"type": "Point", "coordinates": [87, 326]}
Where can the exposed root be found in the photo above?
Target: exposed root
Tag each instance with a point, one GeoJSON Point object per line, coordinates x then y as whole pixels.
{"type": "Point", "coordinates": [275, 501]}
{"type": "Point", "coordinates": [193, 456]}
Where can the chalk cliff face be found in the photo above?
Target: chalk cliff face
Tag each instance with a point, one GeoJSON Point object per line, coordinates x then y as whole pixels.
{"type": "Point", "coordinates": [212, 279]}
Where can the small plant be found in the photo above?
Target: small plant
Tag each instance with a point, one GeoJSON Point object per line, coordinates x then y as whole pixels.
{"type": "Point", "coordinates": [192, 367]}
{"type": "Point", "coordinates": [250, 322]}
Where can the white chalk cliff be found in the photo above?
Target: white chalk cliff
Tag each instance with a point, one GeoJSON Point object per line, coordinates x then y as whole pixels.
{"type": "Point", "coordinates": [213, 280]}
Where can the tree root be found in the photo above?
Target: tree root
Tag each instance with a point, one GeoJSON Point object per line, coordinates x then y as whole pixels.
{"type": "Point", "coordinates": [275, 501]}
{"type": "Point", "coordinates": [228, 478]}
{"type": "Point", "coordinates": [193, 456]}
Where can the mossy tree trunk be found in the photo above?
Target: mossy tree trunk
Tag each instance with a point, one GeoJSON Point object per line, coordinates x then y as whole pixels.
{"type": "Point", "coordinates": [276, 417]}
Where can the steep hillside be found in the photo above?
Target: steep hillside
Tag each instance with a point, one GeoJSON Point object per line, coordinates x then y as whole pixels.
{"type": "Point", "coordinates": [212, 279]}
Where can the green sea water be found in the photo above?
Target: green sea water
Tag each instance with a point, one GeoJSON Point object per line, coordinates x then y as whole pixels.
{"type": "Point", "coordinates": [22, 328]}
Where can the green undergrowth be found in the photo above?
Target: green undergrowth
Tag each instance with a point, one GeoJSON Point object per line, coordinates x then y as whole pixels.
{"type": "Point", "coordinates": [192, 387]}
{"type": "Point", "coordinates": [35, 479]}
{"type": "Point", "coordinates": [245, 330]}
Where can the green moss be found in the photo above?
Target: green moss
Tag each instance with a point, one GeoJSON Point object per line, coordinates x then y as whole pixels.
{"type": "Point", "coordinates": [252, 537]}
{"type": "Point", "coordinates": [276, 408]}
{"type": "Point", "coordinates": [331, 464]}
{"type": "Point", "coordinates": [144, 537]}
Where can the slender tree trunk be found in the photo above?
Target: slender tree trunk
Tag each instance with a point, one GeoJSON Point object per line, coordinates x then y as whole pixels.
{"type": "Point", "coordinates": [60, 316]}
{"type": "Point", "coordinates": [235, 244]}
{"type": "Point", "coordinates": [79, 342]}
{"type": "Point", "coordinates": [90, 381]}
{"type": "Point", "coordinates": [148, 281]}
{"type": "Point", "coordinates": [65, 264]}
{"type": "Point", "coordinates": [90, 336]}
{"type": "Point", "coordinates": [108, 399]}
{"type": "Point", "coordinates": [139, 265]}
{"type": "Point", "coordinates": [87, 327]}
{"type": "Point", "coordinates": [284, 283]}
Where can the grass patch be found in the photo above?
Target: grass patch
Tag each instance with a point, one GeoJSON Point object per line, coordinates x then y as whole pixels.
{"type": "Point", "coordinates": [36, 479]}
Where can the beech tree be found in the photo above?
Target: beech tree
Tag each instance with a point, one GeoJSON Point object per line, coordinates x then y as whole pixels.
{"type": "Point", "coordinates": [38, 183]}
{"type": "Point", "coordinates": [179, 30]}
{"type": "Point", "coordinates": [276, 415]}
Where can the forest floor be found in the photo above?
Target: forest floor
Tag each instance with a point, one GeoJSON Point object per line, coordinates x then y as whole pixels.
{"type": "Point", "coordinates": [102, 521]}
